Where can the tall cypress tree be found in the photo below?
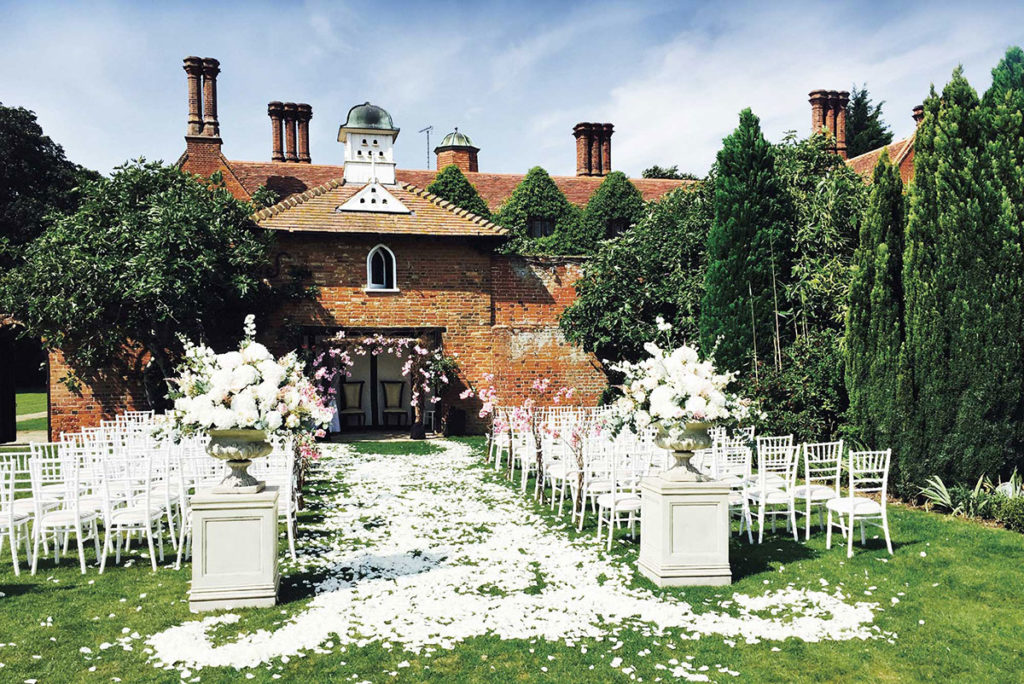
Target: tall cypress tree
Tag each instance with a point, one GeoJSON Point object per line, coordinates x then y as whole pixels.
{"type": "Point", "coordinates": [865, 129]}
{"type": "Point", "coordinates": [951, 263]}
{"type": "Point", "coordinates": [874, 319]}
{"type": "Point", "coordinates": [749, 249]}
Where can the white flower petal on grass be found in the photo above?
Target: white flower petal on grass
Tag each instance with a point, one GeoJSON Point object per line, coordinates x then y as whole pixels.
{"type": "Point", "coordinates": [454, 555]}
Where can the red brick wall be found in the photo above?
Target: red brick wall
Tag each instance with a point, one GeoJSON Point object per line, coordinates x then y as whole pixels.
{"type": "Point", "coordinates": [499, 315]}
{"type": "Point", "coordinates": [102, 394]}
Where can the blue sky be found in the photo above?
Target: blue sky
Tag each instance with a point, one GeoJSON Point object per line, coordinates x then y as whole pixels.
{"type": "Point", "coordinates": [106, 80]}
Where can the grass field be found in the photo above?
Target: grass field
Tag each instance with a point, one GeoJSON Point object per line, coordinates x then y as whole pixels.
{"type": "Point", "coordinates": [30, 402]}
{"type": "Point", "coordinates": [957, 617]}
{"type": "Point", "coordinates": [33, 424]}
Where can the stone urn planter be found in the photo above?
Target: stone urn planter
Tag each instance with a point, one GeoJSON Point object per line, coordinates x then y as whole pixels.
{"type": "Point", "coordinates": [238, 448]}
{"type": "Point", "coordinates": [693, 438]}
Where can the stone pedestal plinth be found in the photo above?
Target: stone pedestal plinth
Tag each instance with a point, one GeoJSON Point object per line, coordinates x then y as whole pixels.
{"type": "Point", "coordinates": [684, 532]}
{"type": "Point", "coordinates": [234, 550]}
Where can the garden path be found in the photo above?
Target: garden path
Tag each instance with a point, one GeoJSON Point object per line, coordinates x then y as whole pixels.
{"type": "Point", "coordinates": [422, 552]}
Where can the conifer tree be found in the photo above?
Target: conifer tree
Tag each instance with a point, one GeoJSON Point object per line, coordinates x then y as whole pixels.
{"type": "Point", "coordinates": [452, 185]}
{"type": "Point", "coordinates": [865, 129]}
{"type": "Point", "coordinates": [950, 267]}
{"type": "Point", "coordinates": [749, 251]}
{"type": "Point", "coordinates": [874, 319]}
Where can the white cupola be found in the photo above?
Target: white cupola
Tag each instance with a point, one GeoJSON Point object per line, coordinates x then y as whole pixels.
{"type": "Point", "coordinates": [369, 138]}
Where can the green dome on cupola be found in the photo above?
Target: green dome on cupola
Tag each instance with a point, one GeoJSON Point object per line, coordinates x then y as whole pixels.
{"type": "Point", "coordinates": [456, 139]}
{"type": "Point", "coordinates": [370, 117]}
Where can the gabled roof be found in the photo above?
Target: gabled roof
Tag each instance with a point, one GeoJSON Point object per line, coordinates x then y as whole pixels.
{"type": "Point", "coordinates": [901, 154]}
{"type": "Point", "coordinates": [316, 210]}
{"type": "Point", "coordinates": [287, 179]}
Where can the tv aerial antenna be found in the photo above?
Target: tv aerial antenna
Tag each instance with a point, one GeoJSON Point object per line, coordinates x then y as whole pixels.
{"type": "Point", "coordinates": [427, 131]}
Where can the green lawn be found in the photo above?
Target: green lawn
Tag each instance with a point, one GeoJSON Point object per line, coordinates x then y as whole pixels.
{"type": "Point", "coordinates": [958, 618]}
{"type": "Point", "coordinates": [30, 402]}
{"type": "Point", "coordinates": [32, 424]}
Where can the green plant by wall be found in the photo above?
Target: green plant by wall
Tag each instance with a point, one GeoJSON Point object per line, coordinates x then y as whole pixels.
{"type": "Point", "coordinates": [537, 198]}
{"type": "Point", "coordinates": [451, 184]}
{"type": "Point", "coordinates": [655, 269]}
{"type": "Point", "coordinates": [874, 320]}
{"type": "Point", "coordinates": [749, 251]}
{"type": "Point", "coordinates": [614, 207]}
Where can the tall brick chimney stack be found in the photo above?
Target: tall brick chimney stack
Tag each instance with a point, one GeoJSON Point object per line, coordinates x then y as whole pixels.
{"type": "Point", "coordinates": [828, 114]}
{"type": "Point", "coordinates": [918, 114]}
{"type": "Point", "coordinates": [457, 148]}
{"type": "Point", "coordinates": [303, 113]}
{"type": "Point", "coordinates": [593, 148]}
{"type": "Point", "coordinates": [581, 132]}
{"type": "Point", "coordinates": [202, 136]}
{"type": "Point", "coordinates": [290, 111]}
{"type": "Point", "coordinates": [194, 71]}
{"type": "Point", "coordinates": [275, 110]}
{"type": "Point", "coordinates": [211, 127]}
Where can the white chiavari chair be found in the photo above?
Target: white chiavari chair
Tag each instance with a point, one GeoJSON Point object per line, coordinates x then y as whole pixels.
{"type": "Point", "coordinates": [869, 474]}
{"type": "Point", "coordinates": [14, 526]}
{"type": "Point", "coordinates": [771, 489]}
{"type": "Point", "coordinates": [129, 478]}
{"type": "Point", "coordinates": [277, 469]}
{"type": "Point", "coordinates": [822, 463]}
{"type": "Point", "coordinates": [48, 472]}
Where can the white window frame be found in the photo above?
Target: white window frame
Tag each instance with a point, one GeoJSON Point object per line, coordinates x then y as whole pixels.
{"type": "Point", "coordinates": [381, 287]}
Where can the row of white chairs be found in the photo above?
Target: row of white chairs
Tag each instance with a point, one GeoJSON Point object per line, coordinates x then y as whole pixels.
{"type": "Point", "coordinates": [571, 453]}
{"type": "Point", "coordinates": [119, 476]}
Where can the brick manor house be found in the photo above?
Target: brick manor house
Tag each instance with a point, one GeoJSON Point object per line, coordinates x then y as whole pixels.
{"type": "Point", "coordinates": [390, 258]}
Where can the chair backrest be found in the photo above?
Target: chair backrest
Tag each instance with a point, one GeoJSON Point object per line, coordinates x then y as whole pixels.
{"type": "Point", "coordinates": [352, 394]}
{"type": "Point", "coordinates": [393, 391]}
{"type": "Point", "coordinates": [731, 461]}
{"type": "Point", "coordinates": [21, 478]}
{"type": "Point", "coordinates": [823, 463]}
{"type": "Point", "coordinates": [869, 472]}
{"type": "Point", "coordinates": [746, 434]}
{"type": "Point", "coordinates": [774, 442]}
{"type": "Point", "coordinates": [6, 490]}
{"type": "Point", "coordinates": [129, 479]}
{"type": "Point", "coordinates": [777, 461]}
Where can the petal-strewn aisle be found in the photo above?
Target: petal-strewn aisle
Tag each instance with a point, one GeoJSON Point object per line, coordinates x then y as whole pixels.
{"type": "Point", "coordinates": [425, 551]}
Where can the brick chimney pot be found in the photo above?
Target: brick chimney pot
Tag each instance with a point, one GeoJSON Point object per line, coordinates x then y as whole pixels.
{"type": "Point", "coordinates": [211, 127]}
{"type": "Point", "coordinates": [290, 111]}
{"type": "Point", "coordinates": [275, 110]}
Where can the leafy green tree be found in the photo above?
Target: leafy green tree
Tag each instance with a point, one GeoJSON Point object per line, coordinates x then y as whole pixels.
{"type": "Point", "coordinates": [671, 172]}
{"type": "Point", "coordinates": [874, 319]}
{"type": "Point", "coordinates": [951, 272]}
{"type": "Point", "coordinates": [749, 250]}
{"type": "Point", "coordinates": [540, 220]}
{"type": "Point", "coordinates": [149, 254]}
{"type": "Point", "coordinates": [452, 185]}
{"type": "Point", "coordinates": [865, 129]}
{"type": "Point", "coordinates": [655, 269]}
{"type": "Point", "coordinates": [36, 179]}
{"type": "Point", "coordinates": [828, 199]}
{"type": "Point", "coordinates": [614, 207]}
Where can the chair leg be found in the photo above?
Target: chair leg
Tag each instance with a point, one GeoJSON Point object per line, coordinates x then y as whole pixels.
{"type": "Point", "coordinates": [291, 536]}
{"type": "Point", "coordinates": [106, 550]}
{"type": "Point", "coordinates": [792, 521]}
{"type": "Point", "coordinates": [81, 547]}
{"type": "Point", "coordinates": [863, 540]}
{"type": "Point", "coordinates": [760, 523]}
{"type": "Point", "coordinates": [849, 538]}
{"type": "Point", "coordinates": [885, 529]}
{"type": "Point", "coordinates": [96, 537]}
{"type": "Point", "coordinates": [35, 548]}
{"type": "Point", "coordinates": [807, 521]}
{"type": "Point", "coordinates": [14, 550]}
{"type": "Point", "coordinates": [152, 549]}
{"type": "Point", "coordinates": [170, 526]}
{"type": "Point", "coordinates": [828, 532]}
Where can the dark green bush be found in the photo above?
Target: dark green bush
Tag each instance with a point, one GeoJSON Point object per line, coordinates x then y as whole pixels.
{"type": "Point", "coordinates": [1010, 512]}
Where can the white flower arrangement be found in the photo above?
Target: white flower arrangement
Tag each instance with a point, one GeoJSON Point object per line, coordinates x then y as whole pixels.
{"type": "Point", "coordinates": [246, 389]}
{"type": "Point", "coordinates": [672, 388]}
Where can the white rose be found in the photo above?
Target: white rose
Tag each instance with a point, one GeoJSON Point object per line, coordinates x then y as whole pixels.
{"type": "Point", "coordinates": [266, 393]}
{"type": "Point", "coordinates": [254, 351]}
{"type": "Point", "coordinates": [229, 360]}
{"type": "Point", "coordinates": [663, 403]}
{"type": "Point", "coordinates": [271, 372]}
{"type": "Point", "coordinates": [643, 419]}
{"type": "Point", "coordinates": [697, 406]}
{"type": "Point", "coordinates": [244, 402]}
{"type": "Point", "coordinates": [223, 418]}
{"type": "Point", "coordinates": [242, 377]}
{"type": "Point", "coordinates": [292, 421]}
{"type": "Point", "coordinates": [274, 420]}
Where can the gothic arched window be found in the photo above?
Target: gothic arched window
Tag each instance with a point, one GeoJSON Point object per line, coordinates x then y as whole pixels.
{"type": "Point", "coordinates": [380, 269]}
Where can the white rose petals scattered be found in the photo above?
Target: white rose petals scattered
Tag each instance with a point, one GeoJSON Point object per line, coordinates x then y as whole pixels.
{"type": "Point", "coordinates": [424, 551]}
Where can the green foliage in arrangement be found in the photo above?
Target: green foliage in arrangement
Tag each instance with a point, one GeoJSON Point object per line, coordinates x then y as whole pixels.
{"type": "Point", "coordinates": [614, 207]}
{"type": "Point", "coordinates": [451, 184]}
{"type": "Point", "coordinates": [874, 321]}
{"type": "Point", "coordinates": [865, 129]}
{"type": "Point", "coordinates": [150, 254]}
{"type": "Point", "coordinates": [36, 181]}
{"type": "Point", "coordinates": [655, 269]}
{"type": "Point", "coordinates": [749, 250]}
{"type": "Point", "coordinates": [960, 376]}
{"type": "Point", "coordinates": [538, 199]}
